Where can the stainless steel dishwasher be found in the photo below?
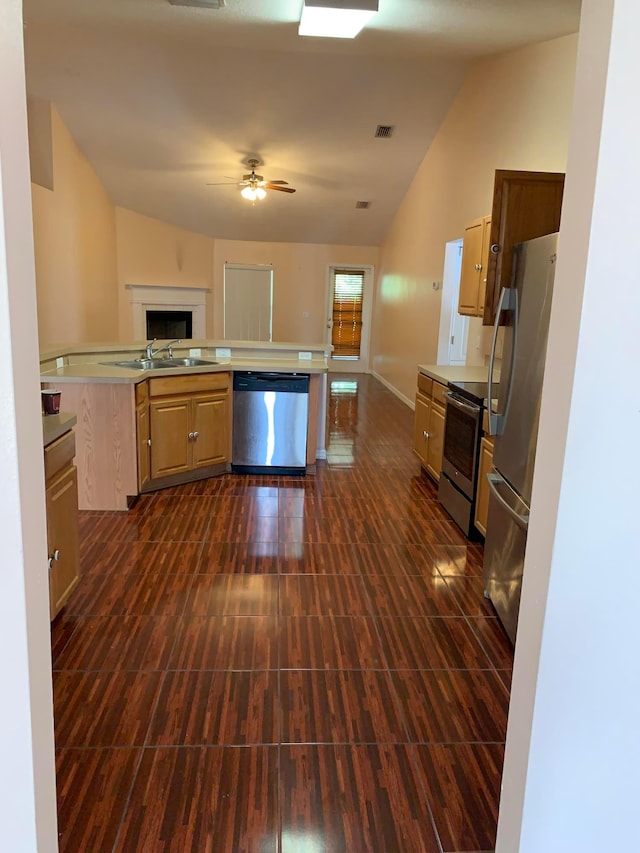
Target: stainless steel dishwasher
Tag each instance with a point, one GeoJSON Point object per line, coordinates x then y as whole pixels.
{"type": "Point", "coordinates": [270, 415]}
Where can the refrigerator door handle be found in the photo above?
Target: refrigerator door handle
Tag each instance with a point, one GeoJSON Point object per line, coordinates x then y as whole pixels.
{"type": "Point", "coordinates": [508, 302]}
{"type": "Point", "coordinates": [521, 520]}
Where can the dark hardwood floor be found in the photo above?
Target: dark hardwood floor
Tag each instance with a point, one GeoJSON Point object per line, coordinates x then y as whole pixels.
{"type": "Point", "coordinates": [295, 665]}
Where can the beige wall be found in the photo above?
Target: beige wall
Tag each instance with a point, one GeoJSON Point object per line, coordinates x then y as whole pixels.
{"type": "Point", "coordinates": [513, 112]}
{"type": "Point", "coordinates": [75, 249]}
{"type": "Point", "coordinates": [154, 253]}
{"type": "Point", "coordinates": [300, 282]}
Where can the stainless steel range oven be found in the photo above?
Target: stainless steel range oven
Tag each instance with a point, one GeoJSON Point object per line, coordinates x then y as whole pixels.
{"type": "Point", "coordinates": [462, 434]}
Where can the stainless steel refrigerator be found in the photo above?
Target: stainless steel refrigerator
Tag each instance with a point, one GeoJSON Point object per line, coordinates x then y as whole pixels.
{"type": "Point", "coordinates": [524, 311]}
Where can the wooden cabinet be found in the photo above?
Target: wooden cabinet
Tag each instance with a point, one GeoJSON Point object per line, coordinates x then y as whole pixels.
{"type": "Point", "coordinates": [189, 427]}
{"type": "Point", "coordinates": [421, 427]}
{"type": "Point", "coordinates": [482, 494]}
{"type": "Point", "coordinates": [428, 429]}
{"type": "Point", "coordinates": [525, 205]}
{"type": "Point", "coordinates": [473, 273]}
{"type": "Point", "coordinates": [61, 492]}
{"type": "Point", "coordinates": [143, 435]}
{"type": "Point", "coordinates": [436, 440]}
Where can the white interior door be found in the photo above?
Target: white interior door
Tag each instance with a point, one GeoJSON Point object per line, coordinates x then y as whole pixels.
{"type": "Point", "coordinates": [248, 302]}
{"type": "Point", "coordinates": [454, 328]}
{"type": "Point", "coordinates": [351, 363]}
{"type": "Point", "coordinates": [458, 339]}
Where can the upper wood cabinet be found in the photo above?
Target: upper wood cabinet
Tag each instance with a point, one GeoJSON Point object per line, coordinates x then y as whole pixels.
{"type": "Point", "coordinates": [525, 205]}
{"type": "Point", "coordinates": [473, 273]}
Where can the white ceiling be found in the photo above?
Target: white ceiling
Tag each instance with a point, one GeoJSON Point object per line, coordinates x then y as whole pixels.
{"type": "Point", "coordinates": [163, 99]}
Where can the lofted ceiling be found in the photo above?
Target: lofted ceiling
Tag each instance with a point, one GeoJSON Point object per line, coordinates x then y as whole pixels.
{"type": "Point", "coordinates": [165, 99]}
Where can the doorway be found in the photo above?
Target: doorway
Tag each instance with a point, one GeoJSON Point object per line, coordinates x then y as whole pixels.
{"type": "Point", "coordinates": [454, 328]}
{"type": "Point", "coordinates": [349, 297]}
{"type": "Point", "coordinates": [248, 302]}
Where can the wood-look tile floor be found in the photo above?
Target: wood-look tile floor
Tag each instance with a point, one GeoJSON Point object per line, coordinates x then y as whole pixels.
{"type": "Point", "coordinates": [295, 665]}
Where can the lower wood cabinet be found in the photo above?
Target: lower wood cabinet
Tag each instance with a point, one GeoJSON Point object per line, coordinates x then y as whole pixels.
{"type": "Point", "coordinates": [61, 491]}
{"type": "Point", "coordinates": [428, 430]}
{"type": "Point", "coordinates": [187, 429]}
{"type": "Point", "coordinates": [482, 493]}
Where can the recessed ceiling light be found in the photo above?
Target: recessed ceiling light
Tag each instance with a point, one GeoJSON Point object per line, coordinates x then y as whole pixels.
{"type": "Point", "coordinates": [332, 18]}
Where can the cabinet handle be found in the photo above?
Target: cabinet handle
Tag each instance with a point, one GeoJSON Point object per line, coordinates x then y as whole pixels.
{"type": "Point", "coordinates": [191, 436]}
{"type": "Point", "coordinates": [149, 442]}
{"type": "Point", "coordinates": [425, 433]}
{"type": "Point", "coordinates": [54, 558]}
{"type": "Point", "coordinates": [495, 248]}
{"type": "Point", "coordinates": [196, 434]}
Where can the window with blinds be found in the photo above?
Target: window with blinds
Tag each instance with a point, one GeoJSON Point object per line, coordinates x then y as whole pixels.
{"type": "Point", "coordinates": [348, 288]}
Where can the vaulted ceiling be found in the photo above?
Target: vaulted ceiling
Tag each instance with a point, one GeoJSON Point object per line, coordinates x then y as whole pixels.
{"type": "Point", "coordinates": [166, 99]}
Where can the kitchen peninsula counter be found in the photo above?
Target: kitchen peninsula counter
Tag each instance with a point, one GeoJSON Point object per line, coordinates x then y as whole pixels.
{"type": "Point", "coordinates": [114, 404]}
{"type": "Point", "coordinates": [94, 363]}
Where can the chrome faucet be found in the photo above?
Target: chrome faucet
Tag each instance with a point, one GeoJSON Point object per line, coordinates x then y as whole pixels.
{"type": "Point", "coordinates": [151, 353]}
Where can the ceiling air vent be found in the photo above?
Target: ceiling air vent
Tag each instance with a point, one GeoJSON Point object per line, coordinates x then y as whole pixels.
{"type": "Point", "coordinates": [384, 131]}
{"type": "Point", "coordinates": [363, 205]}
{"type": "Point", "coordinates": [199, 4]}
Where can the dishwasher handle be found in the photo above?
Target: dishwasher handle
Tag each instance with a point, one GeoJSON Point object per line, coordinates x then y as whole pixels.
{"type": "Point", "coordinates": [292, 383]}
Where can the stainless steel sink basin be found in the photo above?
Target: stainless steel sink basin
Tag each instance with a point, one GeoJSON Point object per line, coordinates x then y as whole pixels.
{"type": "Point", "coordinates": [187, 362]}
{"type": "Point", "coordinates": [160, 363]}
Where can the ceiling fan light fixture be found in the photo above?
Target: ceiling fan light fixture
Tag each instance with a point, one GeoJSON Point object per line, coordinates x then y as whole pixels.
{"type": "Point", "coordinates": [253, 193]}
{"type": "Point", "coordinates": [335, 18]}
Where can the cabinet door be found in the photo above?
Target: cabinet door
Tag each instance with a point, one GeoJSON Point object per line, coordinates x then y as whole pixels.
{"type": "Point", "coordinates": [484, 263]}
{"type": "Point", "coordinates": [482, 494]}
{"type": "Point", "coordinates": [144, 457]}
{"type": "Point", "coordinates": [62, 537]}
{"type": "Point", "coordinates": [421, 427]}
{"type": "Point", "coordinates": [210, 422]}
{"type": "Point", "coordinates": [525, 205]}
{"type": "Point", "coordinates": [170, 420]}
{"type": "Point", "coordinates": [470, 270]}
{"type": "Point", "coordinates": [436, 441]}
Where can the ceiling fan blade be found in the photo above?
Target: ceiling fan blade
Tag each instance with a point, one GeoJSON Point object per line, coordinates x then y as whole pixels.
{"type": "Point", "coordinates": [275, 182]}
{"type": "Point", "coordinates": [223, 184]}
{"type": "Point", "coordinates": [270, 186]}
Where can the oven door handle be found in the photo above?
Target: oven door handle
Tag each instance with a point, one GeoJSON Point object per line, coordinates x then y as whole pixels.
{"type": "Point", "coordinates": [459, 404]}
{"type": "Point", "coordinates": [521, 520]}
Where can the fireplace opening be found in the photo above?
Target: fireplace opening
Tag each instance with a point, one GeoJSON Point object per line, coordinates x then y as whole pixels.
{"type": "Point", "coordinates": [169, 324]}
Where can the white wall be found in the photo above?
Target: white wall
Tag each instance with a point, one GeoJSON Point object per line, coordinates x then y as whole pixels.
{"type": "Point", "coordinates": [571, 769]}
{"type": "Point", "coordinates": [27, 774]}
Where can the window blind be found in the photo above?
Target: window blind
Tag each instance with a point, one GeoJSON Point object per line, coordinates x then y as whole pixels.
{"type": "Point", "coordinates": [348, 286]}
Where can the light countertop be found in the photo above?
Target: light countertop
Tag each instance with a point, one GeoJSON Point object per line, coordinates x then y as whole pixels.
{"type": "Point", "coordinates": [100, 372]}
{"type": "Point", "coordinates": [53, 426]}
{"type": "Point", "coordinates": [446, 373]}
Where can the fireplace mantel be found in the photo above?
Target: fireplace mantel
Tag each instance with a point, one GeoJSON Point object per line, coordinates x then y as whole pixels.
{"type": "Point", "coordinates": [154, 297]}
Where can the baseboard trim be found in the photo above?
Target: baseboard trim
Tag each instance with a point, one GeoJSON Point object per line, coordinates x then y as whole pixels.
{"type": "Point", "coordinates": [398, 394]}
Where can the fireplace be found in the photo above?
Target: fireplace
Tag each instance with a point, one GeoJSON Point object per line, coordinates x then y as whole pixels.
{"type": "Point", "coordinates": [163, 325]}
{"type": "Point", "coordinates": [168, 312]}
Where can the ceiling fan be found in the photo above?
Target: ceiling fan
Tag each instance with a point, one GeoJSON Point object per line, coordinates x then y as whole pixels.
{"type": "Point", "coordinates": [254, 186]}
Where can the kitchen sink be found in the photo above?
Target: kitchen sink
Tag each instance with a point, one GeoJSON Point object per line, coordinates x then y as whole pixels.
{"type": "Point", "coordinates": [160, 363]}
